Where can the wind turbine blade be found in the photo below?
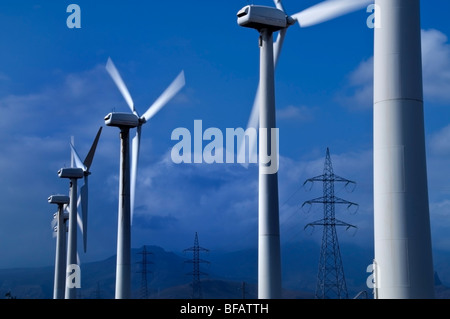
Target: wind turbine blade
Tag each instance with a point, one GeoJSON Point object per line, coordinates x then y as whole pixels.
{"type": "Point", "coordinates": [167, 95]}
{"type": "Point", "coordinates": [88, 160]}
{"type": "Point", "coordinates": [66, 212]}
{"type": "Point", "coordinates": [79, 218]}
{"type": "Point", "coordinates": [79, 221]}
{"type": "Point", "coordinates": [328, 10]}
{"type": "Point", "coordinates": [84, 212]}
{"type": "Point", "coordinates": [72, 160]}
{"type": "Point", "coordinates": [114, 73]}
{"type": "Point", "coordinates": [253, 121]}
{"type": "Point", "coordinates": [279, 5]}
{"type": "Point", "coordinates": [277, 46]}
{"type": "Point", "coordinates": [54, 223]}
{"type": "Point", "coordinates": [134, 165]}
{"type": "Point", "coordinates": [76, 158]}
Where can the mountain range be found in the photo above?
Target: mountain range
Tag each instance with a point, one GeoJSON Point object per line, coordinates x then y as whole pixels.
{"type": "Point", "coordinates": [224, 275]}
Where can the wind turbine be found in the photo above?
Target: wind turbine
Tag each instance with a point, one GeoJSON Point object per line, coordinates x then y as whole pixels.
{"type": "Point", "coordinates": [403, 255]}
{"type": "Point", "coordinates": [73, 174]}
{"type": "Point", "coordinates": [267, 20]}
{"type": "Point", "coordinates": [60, 218]}
{"type": "Point", "coordinates": [127, 183]}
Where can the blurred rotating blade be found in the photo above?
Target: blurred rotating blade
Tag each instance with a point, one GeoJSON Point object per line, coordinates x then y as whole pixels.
{"type": "Point", "coordinates": [253, 122]}
{"type": "Point", "coordinates": [54, 224]}
{"type": "Point", "coordinates": [278, 45]}
{"type": "Point", "coordinates": [90, 156]}
{"type": "Point", "coordinates": [328, 10]}
{"type": "Point", "coordinates": [76, 158]}
{"type": "Point", "coordinates": [165, 97]}
{"type": "Point", "coordinates": [79, 219]}
{"type": "Point", "coordinates": [279, 5]}
{"type": "Point", "coordinates": [80, 202]}
{"type": "Point", "coordinates": [84, 211]}
{"type": "Point", "coordinates": [134, 165]}
{"type": "Point", "coordinates": [115, 75]}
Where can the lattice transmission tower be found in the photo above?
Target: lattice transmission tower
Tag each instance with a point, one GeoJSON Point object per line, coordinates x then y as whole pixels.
{"type": "Point", "coordinates": [196, 273]}
{"type": "Point", "coordinates": [330, 279]}
{"type": "Point", "coordinates": [144, 271]}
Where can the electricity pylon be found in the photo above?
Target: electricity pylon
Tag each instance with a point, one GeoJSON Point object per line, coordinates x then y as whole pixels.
{"type": "Point", "coordinates": [196, 273]}
{"type": "Point", "coordinates": [330, 279]}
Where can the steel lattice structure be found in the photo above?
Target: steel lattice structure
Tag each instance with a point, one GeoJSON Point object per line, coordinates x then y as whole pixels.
{"type": "Point", "coordinates": [330, 279]}
{"type": "Point", "coordinates": [144, 271]}
{"type": "Point", "coordinates": [196, 273]}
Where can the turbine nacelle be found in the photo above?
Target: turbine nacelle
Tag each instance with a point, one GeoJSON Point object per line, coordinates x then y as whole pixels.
{"type": "Point", "coordinates": [263, 17]}
{"type": "Point", "coordinates": [129, 120]}
{"type": "Point", "coordinates": [72, 172]}
{"type": "Point", "coordinates": [59, 199]}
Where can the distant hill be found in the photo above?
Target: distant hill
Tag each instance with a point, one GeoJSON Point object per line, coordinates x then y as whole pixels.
{"type": "Point", "coordinates": [230, 275]}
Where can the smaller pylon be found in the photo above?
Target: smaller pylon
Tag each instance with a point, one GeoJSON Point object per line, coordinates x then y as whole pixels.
{"type": "Point", "coordinates": [196, 273]}
{"type": "Point", "coordinates": [144, 271]}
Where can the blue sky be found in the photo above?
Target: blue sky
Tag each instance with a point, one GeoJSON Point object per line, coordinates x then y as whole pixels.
{"type": "Point", "coordinates": [53, 85]}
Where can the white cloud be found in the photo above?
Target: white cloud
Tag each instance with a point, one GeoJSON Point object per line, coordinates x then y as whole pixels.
{"type": "Point", "coordinates": [440, 141]}
{"type": "Point", "coordinates": [221, 200]}
{"type": "Point", "coordinates": [436, 65]}
{"type": "Point", "coordinates": [38, 127]}
{"type": "Point", "coordinates": [359, 93]}
{"type": "Point", "coordinates": [291, 112]}
{"type": "Point", "coordinates": [436, 74]}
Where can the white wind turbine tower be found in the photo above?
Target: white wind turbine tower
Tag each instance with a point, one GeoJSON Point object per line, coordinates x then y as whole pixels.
{"type": "Point", "coordinates": [267, 20]}
{"type": "Point", "coordinates": [403, 255]}
{"type": "Point", "coordinates": [73, 174]}
{"type": "Point", "coordinates": [60, 229]}
{"type": "Point", "coordinates": [127, 178]}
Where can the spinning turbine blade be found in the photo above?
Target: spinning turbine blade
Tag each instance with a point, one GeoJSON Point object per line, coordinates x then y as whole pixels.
{"type": "Point", "coordinates": [253, 121]}
{"type": "Point", "coordinates": [66, 210]}
{"type": "Point", "coordinates": [328, 10]}
{"type": "Point", "coordinates": [278, 45]}
{"type": "Point", "coordinates": [88, 160]}
{"type": "Point", "coordinates": [279, 5]}
{"type": "Point", "coordinates": [79, 219]}
{"type": "Point", "coordinates": [84, 212]}
{"type": "Point", "coordinates": [167, 95]}
{"type": "Point", "coordinates": [83, 198]}
{"type": "Point", "coordinates": [112, 70]}
{"type": "Point", "coordinates": [76, 158]}
{"type": "Point", "coordinates": [72, 160]}
{"type": "Point", "coordinates": [54, 223]}
{"type": "Point", "coordinates": [134, 164]}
